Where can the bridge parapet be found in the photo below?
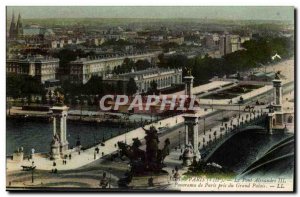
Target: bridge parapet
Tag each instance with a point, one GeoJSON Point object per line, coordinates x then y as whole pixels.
{"type": "Point", "coordinates": [226, 132]}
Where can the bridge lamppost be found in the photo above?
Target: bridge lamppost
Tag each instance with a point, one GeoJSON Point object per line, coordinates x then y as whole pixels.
{"type": "Point", "coordinates": [215, 135]}
{"type": "Point", "coordinates": [222, 117]}
{"type": "Point", "coordinates": [110, 169]}
{"type": "Point", "coordinates": [204, 125]}
{"type": "Point", "coordinates": [32, 169]}
{"type": "Point", "coordinates": [179, 139]}
{"type": "Point", "coordinates": [239, 110]}
{"type": "Point", "coordinates": [185, 137]}
{"type": "Point", "coordinates": [125, 135]}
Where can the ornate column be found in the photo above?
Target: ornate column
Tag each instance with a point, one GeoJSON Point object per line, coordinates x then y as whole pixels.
{"type": "Point", "coordinates": [186, 134]}
{"type": "Point", "coordinates": [54, 126]}
{"type": "Point", "coordinates": [270, 123]}
{"type": "Point", "coordinates": [277, 94]}
{"type": "Point", "coordinates": [191, 151]}
{"type": "Point", "coordinates": [278, 113]}
{"type": "Point", "coordinates": [189, 85]}
{"type": "Point", "coordinates": [192, 126]}
{"type": "Point", "coordinates": [61, 135]}
{"type": "Point", "coordinates": [59, 143]}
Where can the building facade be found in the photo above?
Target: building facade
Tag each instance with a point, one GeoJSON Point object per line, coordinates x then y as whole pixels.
{"type": "Point", "coordinates": [82, 69]}
{"type": "Point", "coordinates": [40, 67]}
{"type": "Point", "coordinates": [229, 44]}
{"type": "Point", "coordinates": [212, 40]}
{"type": "Point", "coordinates": [164, 78]}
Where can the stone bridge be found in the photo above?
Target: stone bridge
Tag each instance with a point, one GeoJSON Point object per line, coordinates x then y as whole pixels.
{"type": "Point", "coordinates": [258, 122]}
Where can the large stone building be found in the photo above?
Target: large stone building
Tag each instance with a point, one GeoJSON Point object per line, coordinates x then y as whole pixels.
{"type": "Point", "coordinates": [178, 40]}
{"type": "Point", "coordinates": [164, 78]}
{"type": "Point", "coordinates": [40, 67]}
{"type": "Point", "coordinates": [212, 41]}
{"type": "Point", "coordinates": [82, 69]}
{"type": "Point", "coordinates": [230, 43]}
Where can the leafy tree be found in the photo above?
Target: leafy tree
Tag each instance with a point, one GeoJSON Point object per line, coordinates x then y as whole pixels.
{"type": "Point", "coordinates": [131, 87]}
{"type": "Point", "coordinates": [153, 88]}
{"type": "Point", "coordinates": [94, 86]}
{"type": "Point", "coordinates": [142, 64]}
{"type": "Point", "coordinates": [67, 55]}
{"type": "Point", "coordinates": [23, 86]}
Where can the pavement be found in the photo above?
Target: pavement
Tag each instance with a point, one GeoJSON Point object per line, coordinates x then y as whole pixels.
{"type": "Point", "coordinates": [205, 88]}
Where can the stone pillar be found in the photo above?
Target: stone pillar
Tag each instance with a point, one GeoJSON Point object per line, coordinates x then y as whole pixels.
{"type": "Point", "coordinates": [61, 135]}
{"type": "Point", "coordinates": [186, 134]}
{"type": "Point", "coordinates": [270, 123]}
{"type": "Point", "coordinates": [195, 140]}
{"type": "Point", "coordinates": [55, 150]}
{"type": "Point", "coordinates": [65, 127]}
{"type": "Point", "coordinates": [278, 114]}
{"type": "Point", "coordinates": [64, 142]}
{"type": "Point", "coordinates": [59, 119]}
{"type": "Point", "coordinates": [54, 125]}
{"type": "Point", "coordinates": [277, 94]}
{"type": "Point", "coordinates": [189, 85]}
{"type": "Point", "coordinates": [191, 122]}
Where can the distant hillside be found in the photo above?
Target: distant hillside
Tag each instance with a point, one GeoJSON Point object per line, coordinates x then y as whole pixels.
{"type": "Point", "coordinates": [102, 22]}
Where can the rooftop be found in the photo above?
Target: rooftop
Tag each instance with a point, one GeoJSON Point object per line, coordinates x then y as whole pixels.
{"type": "Point", "coordinates": [33, 58]}
{"type": "Point", "coordinates": [147, 72]}
{"type": "Point", "coordinates": [110, 57]}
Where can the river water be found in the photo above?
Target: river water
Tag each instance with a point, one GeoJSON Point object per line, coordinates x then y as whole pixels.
{"type": "Point", "coordinates": [244, 148]}
{"type": "Point", "coordinates": [38, 135]}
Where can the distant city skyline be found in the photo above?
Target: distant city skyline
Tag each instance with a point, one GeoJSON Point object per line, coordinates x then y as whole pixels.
{"type": "Point", "coordinates": [284, 13]}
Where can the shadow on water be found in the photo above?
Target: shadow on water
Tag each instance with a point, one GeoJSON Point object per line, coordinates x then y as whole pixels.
{"type": "Point", "coordinates": [276, 162]}
{"type": "Point", "coordinates": [244, 148]}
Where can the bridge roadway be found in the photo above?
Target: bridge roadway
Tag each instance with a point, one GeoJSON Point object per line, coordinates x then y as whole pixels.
{"type": "Point", "coordinates": [214, 119]}
{"type": "Point", "coordinates": [231, 107]}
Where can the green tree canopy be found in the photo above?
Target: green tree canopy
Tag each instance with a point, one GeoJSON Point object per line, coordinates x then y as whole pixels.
{"type": "Point", "coordinates": [131, 87]}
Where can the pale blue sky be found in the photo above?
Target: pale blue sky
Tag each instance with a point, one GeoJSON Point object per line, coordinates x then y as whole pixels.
{"type": "Point", "coordinates": [229, 12]}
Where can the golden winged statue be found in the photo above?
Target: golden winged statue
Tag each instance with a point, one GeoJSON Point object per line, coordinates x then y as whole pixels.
{"type": "Point", "coordinates": [60, 98]}
{"type": "Point", "coordinates": [188, 70]}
